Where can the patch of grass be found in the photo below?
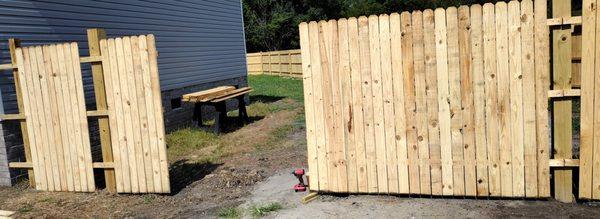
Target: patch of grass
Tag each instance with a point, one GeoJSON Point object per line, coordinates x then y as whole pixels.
{"type": "Point", "coordinates": [269, 88]}
{"type": "Point", "coordinates": [229, 213]}
{"type": "Point", "coordinates": [260, 211]}
{"type": "Point", "coordinates": [149, 198]}
{"type": "Point", "coordinates": [184, 141]}
{"type": "Point", "coordinates": [27, 207]}
{"type": "Point", "coordinates": [276, 136]}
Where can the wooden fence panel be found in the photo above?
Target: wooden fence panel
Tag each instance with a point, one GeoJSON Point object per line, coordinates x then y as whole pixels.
{"type": "Point", "coordinates": [450, 113]}
{"type": "Point", "coordinates": [135, 114]}
{"type": "Point", "coordinates": [54, 105]}
{"type": "Point", "coordinates": [283, 63]}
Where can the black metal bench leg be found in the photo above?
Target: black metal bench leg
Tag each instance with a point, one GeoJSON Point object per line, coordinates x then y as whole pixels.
{"type": "Point", "coordinates": [220, 117]}
{"type": "Point", "coordinates": [243, 114]}
{"type": "Point", "coordinates": [197, 116]}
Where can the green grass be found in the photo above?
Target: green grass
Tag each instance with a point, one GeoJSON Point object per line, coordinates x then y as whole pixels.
{"type": "Point", "coordinates": [269, 88]}
{"type": "Point", "coordinates": [259, 211]}
{"type": "Point", "coordinates": [184, 141]}
{"type": "Point", "coordinates": [229, 213]}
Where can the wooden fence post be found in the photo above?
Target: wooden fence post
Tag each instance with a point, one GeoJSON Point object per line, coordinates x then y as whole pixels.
{"type": "Point", "coordinates": [94, 37]}
{"type": "Point", "coordinates": [13, 44]}
{"type": "Point", "coordinates": [562, 110]}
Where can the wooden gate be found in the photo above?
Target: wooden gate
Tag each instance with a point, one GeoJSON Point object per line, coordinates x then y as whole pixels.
{"type": "Point", "coordinates": [446, 102]}
{"type": "Point", "coordinates": [51, 102]}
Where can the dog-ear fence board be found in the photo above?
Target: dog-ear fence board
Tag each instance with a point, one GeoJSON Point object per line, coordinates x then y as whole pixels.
{"type": "Point", "coordinates": [52, 105]}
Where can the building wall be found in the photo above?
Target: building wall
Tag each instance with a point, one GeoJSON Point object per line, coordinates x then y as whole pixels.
{"type": "Point", "coordinates": [200, 44]}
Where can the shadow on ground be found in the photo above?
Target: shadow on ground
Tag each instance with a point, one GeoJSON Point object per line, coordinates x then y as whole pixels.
{"type": "Point", "coordinates": [183, 173]}
{"type": "Point", "coordinates": [265, 98]}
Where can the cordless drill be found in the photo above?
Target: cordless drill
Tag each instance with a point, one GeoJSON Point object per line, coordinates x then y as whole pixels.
{"type": "Point", "coordinates": [300, 187]}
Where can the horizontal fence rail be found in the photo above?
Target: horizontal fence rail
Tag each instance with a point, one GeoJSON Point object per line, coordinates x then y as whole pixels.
{"type": "Point", "coordinates": [437, 102]}
{"type": "Point", "coordinates": [283, 63]}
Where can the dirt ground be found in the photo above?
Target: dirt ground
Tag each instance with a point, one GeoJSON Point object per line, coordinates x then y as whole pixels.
{"type": "Point", "coordinates": [251, 176]}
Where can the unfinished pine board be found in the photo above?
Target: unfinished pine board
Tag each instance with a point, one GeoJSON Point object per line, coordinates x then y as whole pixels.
{"type": "Point", "coordinates": [399, 110]}
{"type": "Point", "coordinates": [367, 94]}
{"type": "Point", "coordinates": [466, 88]}
{"type": "Point", "coordinates": [596, 151]}
{"type": "Point", "coordinates": [587, 100]}
{"type": "Point", "coordinates": [309, 109]}
{"type": "Point", "coordinates": [456, 125]}
{"type": "Point", "coordinates": [408, 70]}
{"type": "Point", "coordinates": [357, 109]}
{"type": "Point", "coordinates": [191, 97]}
{"type": "Point", "coordinates": [44, 71]}
{"type": "Point", "coordinates": [421, 103]}
{"type": "Point", "coordinates": [516, 97]}
{"type": "Point", "coordinates": [478, 83]}
{"type": "Point", "coordinates": [491, 99]}
{"type": "Point", "coordinates": [528, 68]}
{"type": "Point", "coordinates": [562, 109]}
{"type": "Point", "coordinates": [443, 87]}
{"type": "Point", "coordinates": [542, 85]}
{"type": "Point", "coordinates": [337, 91]}
{"type": "Point", "coordinates": [432, 102]}
{"type": "Point", "coordinates": [378, 114]}
{"type": "Point", "coordinates": [135, 114]}
{"type": "Point", "coordinates": [347, 176]}
{"type": "Point", "coordinates": [502, 58]}
{"type": "Point", "coordinates": [315, 55]}
{"type": "Point", "coordinates": [388, 104]}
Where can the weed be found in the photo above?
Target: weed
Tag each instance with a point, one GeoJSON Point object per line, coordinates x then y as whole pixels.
{"type": "Point", "coordinates": [259, 211]}
{"type": "Point", "coordinates": [25, 208]}
{"type": "Point", "coordinates": [149, 198]}
{"type": "Point", "coordinates": [229, 213]}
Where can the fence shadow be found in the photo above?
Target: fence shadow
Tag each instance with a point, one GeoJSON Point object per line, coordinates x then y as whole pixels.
{"type": "Point", "coordinates": [265, 98]}
{"type": "Point", "coordinates": [183, 173]}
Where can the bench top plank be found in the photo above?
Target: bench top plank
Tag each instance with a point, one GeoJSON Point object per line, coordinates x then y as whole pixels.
{"type": "Point", "coordinates": [213, 92]}
{"type": "Point", "coordinates": [232, 94]}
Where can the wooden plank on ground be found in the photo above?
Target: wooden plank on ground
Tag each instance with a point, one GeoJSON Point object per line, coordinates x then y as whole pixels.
{"type": "Point", "coordinates": [357, 108]}
{"type": "Point", "coordinates": [399, 110]}
{"type": "Point", "coordinates": [478, 84]}
{"type": "Point", "coordinates": [388, 104]}
{"type": "Point", "coordinates": [432, 101]}
{"type": "Point", "coordinates": [421, 103]}
{"type": "Point", "coordinates": [444, 101]}
{"type": "Point", "coordinates": [409, 102]}
{"type": "Point", "coordinates": [528, 64]}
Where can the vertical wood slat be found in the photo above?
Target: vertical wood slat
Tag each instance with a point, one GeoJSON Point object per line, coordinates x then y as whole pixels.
{"type": "Point", "coordinates": [466, 88]}
{"type": "Point", "coordinates": [357, 109]}
{"type": "Point", "coordinates": [478, 84]}
{"type": "Point", "coordinates": [529, 118]}
{"type": "Point", "coordinates": [432, 101]}
{"type": "Point", "coordinates": [408, 70]}
{"type": "Point", "coordinates": [327, 59]}
{"type": "Point", "coordinates": [588, 61]}
{"type": "Point", "coordinates": [456, 125]}
{"type": "Point", "coordinates": [421, 103]}
{"type": "Point", "coordinates": [399, 110]}
{"type": "Point", "coordinates": [347, 156]}
{"type": "Point", "coordinates": [388, 104]}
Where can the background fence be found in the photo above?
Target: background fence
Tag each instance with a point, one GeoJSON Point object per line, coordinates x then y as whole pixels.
{"type": "Point", "coordinates": [283, 63]}
{"type": "Point", "coordinates": [444, 102]}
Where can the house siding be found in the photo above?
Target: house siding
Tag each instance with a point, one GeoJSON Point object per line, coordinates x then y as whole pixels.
{"type": "Point", "coordinates": [200, 44]}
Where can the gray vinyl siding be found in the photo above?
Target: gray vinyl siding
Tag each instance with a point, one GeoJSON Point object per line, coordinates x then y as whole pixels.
{"type": "Point", "coordinates": [200, 44]}
{"type": "Point", "coordinates": [199, 41]}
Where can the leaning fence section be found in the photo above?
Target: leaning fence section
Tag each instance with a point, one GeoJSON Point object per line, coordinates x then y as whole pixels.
{"type": "Point", "coordinates": [437, 102]}
{"type": "Point", "coordinates": [54, 119]}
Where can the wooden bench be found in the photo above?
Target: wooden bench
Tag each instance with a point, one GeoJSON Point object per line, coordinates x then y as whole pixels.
{"type": "Point", "coordinates": [217, 98]}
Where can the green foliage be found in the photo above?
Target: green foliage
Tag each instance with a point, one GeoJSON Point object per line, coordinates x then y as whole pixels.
{"type": "Point", "coordinates": [273, 24]}
{"type": "Point", "coordinates": [259, 211]}
{"type": "Point", "coordinates": [229, 213]}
